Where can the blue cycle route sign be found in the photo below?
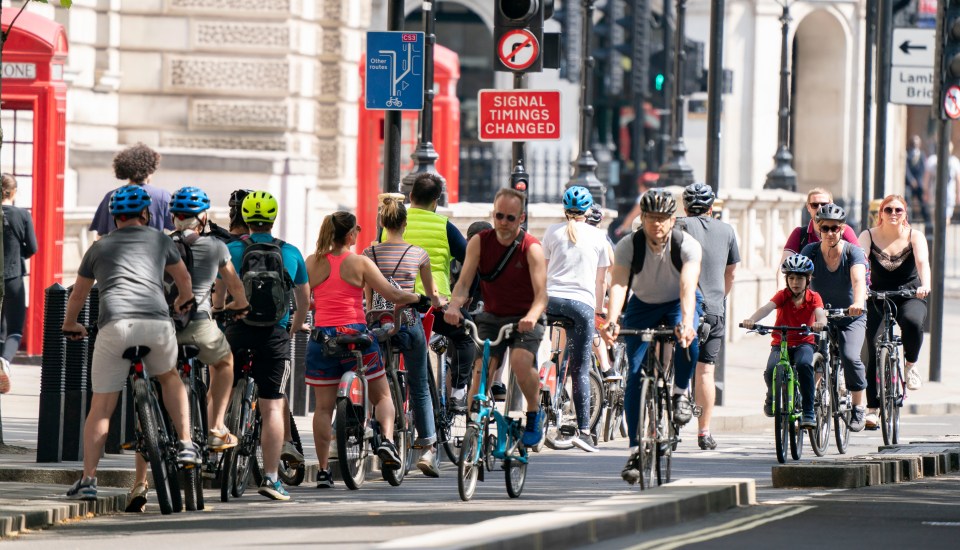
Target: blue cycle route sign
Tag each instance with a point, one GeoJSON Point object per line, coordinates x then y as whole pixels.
{"type": "Point", "coordinates": [395, 71]}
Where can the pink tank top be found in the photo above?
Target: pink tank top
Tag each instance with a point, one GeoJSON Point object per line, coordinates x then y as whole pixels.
{"type": "Point", "coordinates": [336, 301]}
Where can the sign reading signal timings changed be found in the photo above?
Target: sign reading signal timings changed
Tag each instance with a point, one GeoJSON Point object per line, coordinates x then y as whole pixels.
{"type": "Point", "coordinates": [519, 115]}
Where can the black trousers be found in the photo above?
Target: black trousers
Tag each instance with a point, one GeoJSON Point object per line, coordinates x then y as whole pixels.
{"type": "Point", "coordinates": [462, 348]}
{"type": "Point", "coordinates": [13, 317]}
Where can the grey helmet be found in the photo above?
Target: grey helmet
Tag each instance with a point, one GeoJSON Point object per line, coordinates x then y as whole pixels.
{"type": "Point", "coordinates": [797, 263]}
{"type": "Point", "coordinates": [697, 198]}
{"type": "Point", "coordinates": [831, 212]}
{"type": "Point", "coordinates": [658, 201]}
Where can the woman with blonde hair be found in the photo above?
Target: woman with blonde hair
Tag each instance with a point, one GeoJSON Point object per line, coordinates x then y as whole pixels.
{"type": "Point", "coordinates": [899, 259]}
{"type": "Point", "coordinates": [337, 279]}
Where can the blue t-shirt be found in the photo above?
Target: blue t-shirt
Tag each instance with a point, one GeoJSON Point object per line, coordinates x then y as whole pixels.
{"type": "Point", "coordinates": [835, 287]}
{"type": "Point", "coordinates": [159, 211]}
{"type": "Point", "coordinates": [292, 262]}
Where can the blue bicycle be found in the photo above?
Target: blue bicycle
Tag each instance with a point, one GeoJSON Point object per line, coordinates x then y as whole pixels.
{"type": "Point", "coordinates": [482, 448]}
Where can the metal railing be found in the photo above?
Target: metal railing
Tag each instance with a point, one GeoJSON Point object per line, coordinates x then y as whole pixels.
{"type": "Point", "coordinates": [484, 169]}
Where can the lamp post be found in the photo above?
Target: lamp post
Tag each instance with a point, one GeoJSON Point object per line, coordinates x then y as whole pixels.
{"type": "Point", "coordinates": [585, 167]}
{"type": "Point", "coordinates": [677, 171]}
{"type": "Point", "coordinates": [425, 156]}
{"type": "Point", "coordinates": [783, 176]}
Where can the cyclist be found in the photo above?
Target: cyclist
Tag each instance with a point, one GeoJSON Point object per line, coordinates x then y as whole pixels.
{"type": "Point", "coordinates": [796, 305]}
{"type": "Point", "coordinates": [270, 344]}
{"type": "Point", "coordinates": [443, 243]}
{"type": "Point", "coordinates": [238, 228]}
{"type": "Point", "coordinates": [337, 277]}
{"type": "Point", "coordinates": [513, 279]}
{"type": "Point", "coordinates": [662, 291]}
{"type": "Point", "coordinates": [801, 237]}
{"type": "Point", "coordinates": [717, 271]}
{"type": "Point", "coordinates": [135, 164]}
{"type": "Point", "coordinates": [594, 217]}
{"type": "Point", "coordinates": [899, 259]}
{"type": "Point", "coordinates": [128, 265]}
{"type": "Point", "coordinates": [839, 276]}
{"type": "Point", "coordinates": [577, 260]}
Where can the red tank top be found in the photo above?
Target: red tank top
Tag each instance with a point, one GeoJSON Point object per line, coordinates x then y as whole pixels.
{"type": "Point", "coordinates": [336, 301]}
{"type": "Point", "coordinates": [510, 294]}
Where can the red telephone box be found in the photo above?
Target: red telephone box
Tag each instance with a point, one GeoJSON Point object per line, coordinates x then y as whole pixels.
{"type": "Point", "coordinates": [34, 104]}
{"type": "Point", "coordinates": [446, 139]}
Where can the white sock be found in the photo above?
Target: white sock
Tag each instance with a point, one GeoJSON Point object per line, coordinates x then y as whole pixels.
{"type": "Point", "coordinates": [459, 393]}
{"type": "Point", "coordinates": [634, 449]}
{"type": "Point", "coordinates": [272, 478]}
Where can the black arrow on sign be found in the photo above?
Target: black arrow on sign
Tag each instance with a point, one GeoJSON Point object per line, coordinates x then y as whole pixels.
{"type": "Point", "coordinates": [906, 47]}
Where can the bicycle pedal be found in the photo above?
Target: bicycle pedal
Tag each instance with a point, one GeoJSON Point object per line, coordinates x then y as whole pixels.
{"type": "Point", "coordinates": [128, 445]}
{"type": "Point", "coordinates": [697, 411]}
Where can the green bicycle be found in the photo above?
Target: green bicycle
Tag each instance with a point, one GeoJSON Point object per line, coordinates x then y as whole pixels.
{"type": "Point", "coordinates": [785, 395]}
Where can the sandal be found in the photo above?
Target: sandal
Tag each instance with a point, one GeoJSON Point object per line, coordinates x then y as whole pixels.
{"type": "Point", "coordinates": [222, 441]}
{"type": "Point", "coordinates": [137, 499]}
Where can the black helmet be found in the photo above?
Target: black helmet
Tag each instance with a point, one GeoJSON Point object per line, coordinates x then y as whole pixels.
{"type": "Point", "coordinates": [697, 198]}
{"type": "Point", "coordinates": [594, 215]}
{"type": "Point", "coordinates": [236, 198]}
{"type": "Point", "coordinates": [658, 201]}
{"type": "Point", "coordinates": [831, 212]}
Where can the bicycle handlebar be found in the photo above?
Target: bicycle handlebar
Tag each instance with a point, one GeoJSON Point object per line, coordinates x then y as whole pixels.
{"type": "Point", "coordinates": [505, 332]}
{"type": "Point", "coordinates": [836, 313]}
{"type": "Point", "coordinates": [77, 335]}
{"type": "Point", "coordinates": [649, 334]}
{"type": "Point", "coordinates": [390, 328]}
{"type": "Point", "coordinates": [229, 314]}
{"type": "Point", "coordinates": [887, 294]}
{"type": "Point", "coordinates": [767, 329]}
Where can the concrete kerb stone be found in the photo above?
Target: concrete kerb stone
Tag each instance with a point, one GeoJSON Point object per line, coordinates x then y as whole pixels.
{"type": "Point", "coordinates": [596, 521]}
{"type": "Point", "coordinates": [17, 515]}
{"type": "Point", "coordinates": [833, 475]}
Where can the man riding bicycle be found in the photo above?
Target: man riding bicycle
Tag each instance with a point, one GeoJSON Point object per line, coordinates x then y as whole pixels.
{"type": "Point", "coordinates": [129, 264]}
{"type": "Point", "coordinates": [663, 291]}
{"type": "Point", "coordinates": [513, 279]}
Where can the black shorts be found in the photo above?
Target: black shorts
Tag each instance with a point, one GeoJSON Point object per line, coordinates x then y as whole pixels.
{"type": "Point", "coordinates": [710, 349]}
{"type": "Point", "coordinates": [271, 356]}
{"type": "Point", "coordinates": [488, 325]}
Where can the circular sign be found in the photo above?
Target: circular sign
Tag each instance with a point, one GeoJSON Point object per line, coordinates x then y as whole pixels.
{"type": "Point", "coordinates": [951, 102]}
{"type": "Point", "coordinates": [518, 49]}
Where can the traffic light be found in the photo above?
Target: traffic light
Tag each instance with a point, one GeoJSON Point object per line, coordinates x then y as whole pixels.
{"type": "Point", "coordinates": [948, 60]}
{"type": "Point", "coordinates": [659, 94]}
{"type": "Point", "coordinates": [518, 34]}
{"type": "Point", "coordinates": [570, 17]}
{"type": "Point", "coordinates": [612, 41]}
{"type": "Point", "coordinates": [693, 74]}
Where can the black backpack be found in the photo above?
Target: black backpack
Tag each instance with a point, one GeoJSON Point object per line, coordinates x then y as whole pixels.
{"type": "Point", "coordinates": [266, 282]}
{"type": "Point", "coordinates": [183, 244]}
{"type": "Point", "coordinates": [640, 249]}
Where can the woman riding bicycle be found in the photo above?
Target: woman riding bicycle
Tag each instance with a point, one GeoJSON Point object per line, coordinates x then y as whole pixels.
{"type": "Point", "coordinates": [899, 259]}
{"type": "Point", "coordinates": [337, 278]}
{"type": "Point", "coordinates": [577, 261]}
{"type": "Point", "coordinates": [401, 262]}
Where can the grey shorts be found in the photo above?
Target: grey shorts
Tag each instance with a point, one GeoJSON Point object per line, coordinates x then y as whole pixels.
{"type": "Point", "coordinates": [710, 349]}
{"type": "Point", "coordinates": [206, 335]}
{"type": "Point", "coordinates": [109, 369]}
{"type": "Point", "coordinates": [488, 325]}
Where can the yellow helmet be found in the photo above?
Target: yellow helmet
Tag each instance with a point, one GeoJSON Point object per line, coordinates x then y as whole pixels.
{"type": "Point", "coordinates": [260, 207]}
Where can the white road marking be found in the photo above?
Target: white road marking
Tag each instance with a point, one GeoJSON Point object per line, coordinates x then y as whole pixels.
{"type": "Point", "coordinates": [729, 528]}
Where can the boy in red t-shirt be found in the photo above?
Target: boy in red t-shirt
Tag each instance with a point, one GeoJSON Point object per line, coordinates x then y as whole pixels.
{"type": "Point", "coordinates": [796, 305]}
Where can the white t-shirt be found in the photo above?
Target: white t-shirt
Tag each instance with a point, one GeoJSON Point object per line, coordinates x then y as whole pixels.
{"type": "Point", "coordinates": [572, 268]}
{"type": "Point", "coordinates": [953, 173]}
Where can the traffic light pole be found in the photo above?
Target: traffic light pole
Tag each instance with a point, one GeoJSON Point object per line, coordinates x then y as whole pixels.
{"type": "Point", "coordinates": [585, 167]}
{"type": "Point", "coordinates": [884, 39]}
{"type": "Point", "coordinates": [520, 179]}
{"type": "Point", "coordinates": [715, 97]}
{"type": "Point", "coordinates": [677, 171]}
{"type": "Point", "coordinates": [392, 119]}
{"type": "Point", "coordinates": [938, 259]}
{"type": "Point", "coordinates": [870, 41]}
{"type": "Point", "coordinates": [665, 115]}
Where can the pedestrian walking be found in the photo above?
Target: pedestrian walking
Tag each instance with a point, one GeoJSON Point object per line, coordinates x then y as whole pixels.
{"type": "Point", "coordinates": [19, 244]}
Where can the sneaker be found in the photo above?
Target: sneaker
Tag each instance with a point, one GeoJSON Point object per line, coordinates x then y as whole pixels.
{"type": "Point", "coordinates": [857, 419]}
{"type": "Point", "coordinates": [706, 442]}
{"type": "Point", "coordinates": [498, 391]}
{"type": "Point", "coordinates": [137, 499]}
{"type": "Point", "coordinates": [4, 375]}
{"type": "Point", "coordinates": [913, 379]}
{"type": "Point", "coordinates": [611, 375]}
{"type": "Point", "coordinates": [218, 442]}
{"type": "Point", "coordinates": [768, 406]}
{"type": "Point", "coordinates": [187, 454]}
{"type": "Point", "coordinates": [682, 409]}
{"type": "Point", "coordinates": [871, 421]}
{"type": "Point", "coordinates": [290, 454]}
{"type": "Point", "coordinates": [273, 490]}
{"type": "Point", "coordinates": [808, 420]}
{"type": "Point", "coordinates": [631, 472]}
{"type": "Point", "coordinates": [84, 489]}
{"type": "Point", "coordinates": [584, 441]}
{"type": "Point", "coordinates": [325, 479]}
{"type": "Point", "coordinates": [533, 432]}
{"type": "Point", "coordinates": [428, 463]}
{"type": "Point", "coordinates": [389, 457]}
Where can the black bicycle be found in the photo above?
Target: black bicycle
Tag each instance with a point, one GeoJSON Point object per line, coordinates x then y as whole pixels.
{"type": "Point", "coordinates": [832, 399]}
{"type": "Point", "coordinates": [614, 390]}
{"type": "Point", "coordinates": [891, 384]}
{"type": "Point", "coordinates": [556, 394]}
{"type": "Point", "coordinates": [451, 425]}
{"type": "Point", "coordinates": [193, 382]}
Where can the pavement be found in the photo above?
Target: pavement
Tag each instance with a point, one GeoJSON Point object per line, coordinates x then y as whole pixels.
{"type": "Point", "coordinates": [30, 492]}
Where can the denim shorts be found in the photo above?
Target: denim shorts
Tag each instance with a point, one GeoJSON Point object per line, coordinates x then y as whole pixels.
{"type": "Point", "coordinates": [326, 371]}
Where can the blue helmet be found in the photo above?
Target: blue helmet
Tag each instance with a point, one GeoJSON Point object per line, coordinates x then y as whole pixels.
{"type": "Point", "coordinates": [189, 200]}
{"type": "Point", "coordinates": [129, 199]}
{"type": "Point", "coordinates": [578, 199]}
{"type": "Point", "coordinates": [797, 263]}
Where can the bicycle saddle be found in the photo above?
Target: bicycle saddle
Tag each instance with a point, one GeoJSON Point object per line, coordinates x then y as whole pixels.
{"type": "Point", "coordinates": [188, 351]}
{"type": "Point", "coordinates": [135, 352]}
{"type": "Point", "coordinates": [361, 341]}
{"type": "Point", "coordinates": [559, 321]}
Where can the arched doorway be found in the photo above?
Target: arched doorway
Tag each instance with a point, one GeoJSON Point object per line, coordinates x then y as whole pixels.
{"type": "Point", "coordinates": [818, 120]}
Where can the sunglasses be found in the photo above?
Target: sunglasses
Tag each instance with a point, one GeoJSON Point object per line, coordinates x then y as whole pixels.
{"type": "Point", "coordinates": [817, 204]}
{"type": "Point", "coordinates": [892, 210]}
{"type": "Point", "coordinates": [510, 217]}
{"type": "Point", "coordinates": [830, 228]}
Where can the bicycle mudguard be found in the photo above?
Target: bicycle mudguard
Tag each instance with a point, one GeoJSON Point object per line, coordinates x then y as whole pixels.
{"type": "Point", "coordinates": [351, 387]}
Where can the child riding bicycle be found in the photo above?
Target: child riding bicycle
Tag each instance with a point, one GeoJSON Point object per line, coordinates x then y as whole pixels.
{"type": "Point", "coordinates": [796, 305]}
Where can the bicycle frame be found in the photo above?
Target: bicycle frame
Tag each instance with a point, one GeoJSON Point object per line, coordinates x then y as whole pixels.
{"type": "Point", "coordinates": [784, 365]}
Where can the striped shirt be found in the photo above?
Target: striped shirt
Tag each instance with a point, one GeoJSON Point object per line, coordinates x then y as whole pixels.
{"type": "Point", "coordinates": [400, 261]}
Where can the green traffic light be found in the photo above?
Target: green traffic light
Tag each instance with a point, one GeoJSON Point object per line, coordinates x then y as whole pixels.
{"type": "Point", "coordinates": [658, 82]}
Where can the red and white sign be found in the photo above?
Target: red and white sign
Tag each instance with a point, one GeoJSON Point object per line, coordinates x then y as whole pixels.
{"type": "Point", "coordinates": [518, 49]}
{"type": "Point", "coordinates": [519, 115]}
{"type": "Point", "coordinates": [951, 102]}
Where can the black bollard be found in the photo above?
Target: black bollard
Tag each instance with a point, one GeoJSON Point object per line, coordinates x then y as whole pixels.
{"type": "Point", "coordinates": [49, 420]}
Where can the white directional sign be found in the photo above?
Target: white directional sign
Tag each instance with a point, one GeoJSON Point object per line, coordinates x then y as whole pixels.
{"type": "Point", "coordinates": [913, 47]}
{"type": "Point", "coordinates": [911, 85]}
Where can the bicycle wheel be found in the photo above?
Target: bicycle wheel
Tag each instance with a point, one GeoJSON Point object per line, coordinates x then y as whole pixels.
{"type": "Point", "coordinates": [469, 463]}
{"type": "Point", "coordinates": [458, 430]}
{"type": "Point", "coordinates": [895, 397]}
{"type": "Point", "coordinates": [228, 465]}
{"type": "Point", "coordinates": [614, 414]}
{"type": "Point", "coordinates": [561, 424]}
{"type": "Point", "coordinates": [351, 427]}
{"type": "Point", "coordinates": [647, 433]}
{"type": "Point", "coordinates": [884, 386]}
{"type": "Point", "coordinates": [192, 477]}
{"type": "Point", "coordinates": [796, 433]}
{"type": "Point", "coordinates": [840, 405]}
{"type": "Point", "coordinates": [401, 439]}
{"type": "Point", "coordinates": [820, 436]}
{"type": "Point", "coordinates": [666, 435]}
{"type": "Point", "coordinates": [597, 399]}
{"type": "Point", "coordinates": [290, 473]}
{"type": "Point", "coordinates": [246, 450]}
{"type": "Point", "coordinates": [781, 417]}
{"type": "Point", "coordinates": [151, 444]}
{"type": "Point", "coordinates": [256, 456]}
{"type": "Point", "coordinates": [515, 473]}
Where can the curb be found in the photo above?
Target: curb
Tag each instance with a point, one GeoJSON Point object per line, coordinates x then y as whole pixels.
{"type": "Point", "coordinates": [757, 423]}
{"type": "Point", "coordinates": [600, 520]}
{"type": "Point", "coordinates": [17, 515]}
